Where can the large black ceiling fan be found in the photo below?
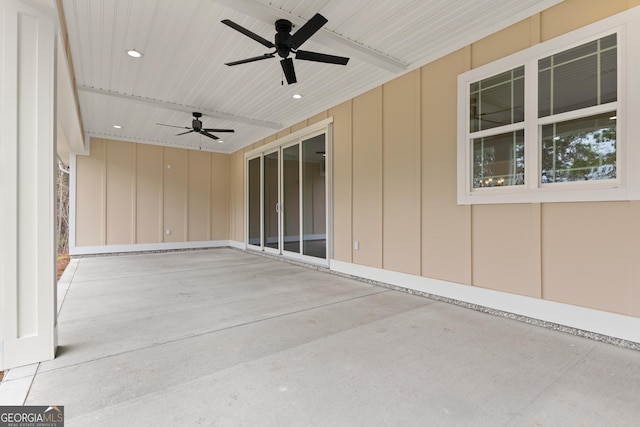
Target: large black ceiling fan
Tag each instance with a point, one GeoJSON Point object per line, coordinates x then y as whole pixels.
{"type": "Point", "coordinates": [196, 126]}
{"type": "Point", "coordinates": [286, 43]}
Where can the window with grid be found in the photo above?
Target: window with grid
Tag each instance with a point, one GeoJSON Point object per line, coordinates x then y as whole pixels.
{"type": "Point", "coordinates": [497, 107]}
{"type": "Point", "coordinates": [577, 100]}
{"type": "Point", "coordinates": [546, 123]}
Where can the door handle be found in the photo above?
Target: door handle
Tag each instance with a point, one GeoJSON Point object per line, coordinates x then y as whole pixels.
{"type": "Point", "coordinates": [278, 207]}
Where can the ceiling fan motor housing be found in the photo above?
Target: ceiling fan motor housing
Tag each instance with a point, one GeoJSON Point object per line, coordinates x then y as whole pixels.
{"type": "Point", "coordinates": [195, 123]}
{"type": "Point", "coordinates": [283, 28]}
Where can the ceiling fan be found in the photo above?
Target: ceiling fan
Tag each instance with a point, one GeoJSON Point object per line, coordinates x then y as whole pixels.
{"type": "Point", "coordinates": [196, 126]}
{"type": "Point", "coordinates": [286, 43]}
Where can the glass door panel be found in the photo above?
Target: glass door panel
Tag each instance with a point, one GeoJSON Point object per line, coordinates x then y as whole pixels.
{"type": "Point", "coordinates": [271, 230]}
{"type": "Point", "coordinates": [287, 200]}
{"type": "Point", "coordinates": [314, 211]}
{"type": "Point", "coordinates": [291, 198]}
{"type": "Point", "coordinates": [254, 202]}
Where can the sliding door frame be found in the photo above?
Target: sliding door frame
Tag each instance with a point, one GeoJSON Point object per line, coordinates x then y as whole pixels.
{"type": "Point", "coordinates": [247, 203]}
{"type": "Point", "coordinates": [323, 127]}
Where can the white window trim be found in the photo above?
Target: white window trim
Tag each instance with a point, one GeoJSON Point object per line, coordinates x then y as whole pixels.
{"type": "Point", "coordinates": [627, 184]}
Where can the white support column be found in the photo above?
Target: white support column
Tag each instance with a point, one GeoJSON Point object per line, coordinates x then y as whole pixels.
{"type": "Point", "coordinates": [28, 323]}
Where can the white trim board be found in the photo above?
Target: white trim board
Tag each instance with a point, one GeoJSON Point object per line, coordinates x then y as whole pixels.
{"type": "Point", "coordinates": [585, 319]}
{"type": "Point", "coordinates": [301, 133]}
{"type": "Point", "coordinates": [143, 247]}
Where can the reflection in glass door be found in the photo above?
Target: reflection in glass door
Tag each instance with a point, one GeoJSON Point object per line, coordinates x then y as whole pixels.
{"type": "Point", "coordinates": [254, 202]}
{"type": "Point", "coordinates": [291, 198]}
{"type": "Point", "coordinates": [271, 197]}
{"type": "Point", "coordinates": [314, 210]}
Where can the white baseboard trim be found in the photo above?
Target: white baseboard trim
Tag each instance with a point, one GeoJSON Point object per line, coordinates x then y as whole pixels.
{"type": "Point", "coordinates": [585, 319]}
{"type": "Point", "coordinates": [143, 247]}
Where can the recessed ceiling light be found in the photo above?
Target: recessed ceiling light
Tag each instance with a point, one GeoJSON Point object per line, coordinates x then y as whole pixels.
{"type": "Point", "coordinates": [134, 53]}
{"type": "Point", "coordinates": [117, 126]}
{"type": "Point", "coordinates": [297, 96]}
{"type": "Point", "coordinates": [220, 141]}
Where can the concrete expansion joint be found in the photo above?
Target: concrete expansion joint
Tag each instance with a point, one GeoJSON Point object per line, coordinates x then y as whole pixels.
{"type": "Point", "coordinates": [213, 331]}
{"type": "Point", "coordinates": [631, 345]}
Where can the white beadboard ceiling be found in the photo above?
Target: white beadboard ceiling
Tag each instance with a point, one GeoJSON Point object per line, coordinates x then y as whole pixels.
{"type": "Point", "coordinates": [185, 46]}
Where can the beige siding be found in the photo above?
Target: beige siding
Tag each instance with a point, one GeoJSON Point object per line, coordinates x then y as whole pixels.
{"type": "Point", "coordinates": [199, 203]}
{"type": "Point", "coordinates": [126, 195]}
{"type": "Point", "coordinates": [149, 202]}
{"type": "Point", "coordinates": [367, 178]}
{"type": "Point", "coordinates": [506, 248]}
{"type": "Point", "coordinates": [401, 174]}
{"type": "Point", "coordinates": [234, 216]}
{"type": "Point", "coordinates": [283, 133]}
{"type": "Point", "coordinates": [237, 196]}
{"type": "Point", "coordinates": [176, 194]}
{"type": "Point", "coordinates": [342, 181]}
{"type": "Point", "coordinates": [510, 40]}
{"type": "Point", "coordinates": [219, 196]}
{"type": "Point", "coordinates": [587, 253]}
{"type": "Point", "coordinates": [446, 227]}
{"type": "Point", "coordinates": [91, 196]}
{"type": "Point", "coordinates": [121, 192]}
{"type": "Point", "coordinates": [298, 126]}
{"type": "Point", "coordinates": [573, 14]}
{"type": "Point", "coordinates": [317, 118]}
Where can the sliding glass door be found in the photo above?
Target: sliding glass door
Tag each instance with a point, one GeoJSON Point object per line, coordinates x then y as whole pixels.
{"type": "Point", "coordinates": [254, 202]}
{"type": "Point", "coordinates": [287, 199]}
{"type": "Point", "coordinates": [291, 198]}
{"type": "Point", "coordinates": [313, 193]}
{"type": "Point", "coordinates": [271, 199]}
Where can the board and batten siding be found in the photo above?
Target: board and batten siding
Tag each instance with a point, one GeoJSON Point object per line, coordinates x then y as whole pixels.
{"type": "Point", "coordinates": [129, 193]}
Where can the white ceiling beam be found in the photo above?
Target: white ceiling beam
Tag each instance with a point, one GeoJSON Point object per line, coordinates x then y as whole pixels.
{"type": "Point", "coordinates": [184, 108]}
{"type": "Point", "coordinates": [325, 37]}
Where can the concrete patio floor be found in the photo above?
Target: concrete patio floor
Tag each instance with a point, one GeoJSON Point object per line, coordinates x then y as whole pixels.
{"type": "Point", "coordinates": [227, 338]}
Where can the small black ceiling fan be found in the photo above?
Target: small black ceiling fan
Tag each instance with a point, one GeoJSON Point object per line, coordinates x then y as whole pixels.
{"type": "Point", "coordinates": [196, 126]}
{"type": "Point", "coordinates": [286, 43]}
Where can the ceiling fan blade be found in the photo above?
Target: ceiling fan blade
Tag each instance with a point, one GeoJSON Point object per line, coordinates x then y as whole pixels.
{"type": "Point", "coordinates": [289, 71]}
{"type": "Point", "coordinates": [217, 130]}
{"type": "Point", "coordinates": [172, 126]}
{"type": "Point", "coordinates": [184, 133]}
{"type": "Point", "coordinates": [321, 57]}
{"type": "Point", "coordinates": [307, 30]}
{"type": "Point", "coordinates": [202, 132]}
{"type": "Point", "coordinates": [255, 58]}
{"type": "Point", "coordinates": [248, 33]}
